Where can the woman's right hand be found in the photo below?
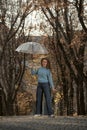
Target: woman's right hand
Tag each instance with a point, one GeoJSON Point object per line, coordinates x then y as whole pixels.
{"type": "Point", "coordinates": [32, 65]}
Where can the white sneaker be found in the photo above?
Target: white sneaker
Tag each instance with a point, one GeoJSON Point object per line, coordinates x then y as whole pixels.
{"type": "Point", "coordinates": [37, 115]}
{"type": "Point", "coordinates": [52, 115]}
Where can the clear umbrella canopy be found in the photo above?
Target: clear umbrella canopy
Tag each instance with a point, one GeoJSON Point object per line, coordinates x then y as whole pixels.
{"type": "Point", "coordinates": [32, 48]}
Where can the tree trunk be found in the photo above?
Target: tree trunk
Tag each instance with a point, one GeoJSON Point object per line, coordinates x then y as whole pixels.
{"type": "Point", "coordinates": [80, 97]}
{"type": "Point", "coordinates": [9, 108]}
{"type": "Point", "coordinates": [82, 103]}
{"type": "Point", "coordinates": [1, 112]}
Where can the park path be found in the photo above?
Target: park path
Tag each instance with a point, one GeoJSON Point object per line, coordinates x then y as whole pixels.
{"type": "Point", "coordinates": [43, 123]}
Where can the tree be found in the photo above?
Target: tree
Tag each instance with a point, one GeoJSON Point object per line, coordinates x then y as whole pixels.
{"type": "Point", "coordinates": [12, 67]}
{"type": "Point", "coordinates": [81, 10]}
{"type": "Point", "coordinates": [69, 48]}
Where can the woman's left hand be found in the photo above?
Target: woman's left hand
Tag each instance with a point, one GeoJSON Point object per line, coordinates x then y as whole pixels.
{"type": "Point", "coordinates": [54, 90]}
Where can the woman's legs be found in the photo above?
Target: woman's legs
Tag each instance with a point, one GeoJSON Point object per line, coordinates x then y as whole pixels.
{"type": "Point", "coordinates": [39, 95]}
{"type": "Point", "coordinates": [47, 94]}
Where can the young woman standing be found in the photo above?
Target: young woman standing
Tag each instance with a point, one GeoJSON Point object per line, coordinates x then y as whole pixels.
{"type": "Point", "coordinates": [45, 83]}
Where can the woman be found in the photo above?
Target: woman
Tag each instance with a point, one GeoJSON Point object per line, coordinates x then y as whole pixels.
{"type": "Point", "coordinates": [45, 82]}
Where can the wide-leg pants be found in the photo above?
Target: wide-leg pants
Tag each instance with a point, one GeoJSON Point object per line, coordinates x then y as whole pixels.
{"type": "Point", "coordinates": [43, 88]}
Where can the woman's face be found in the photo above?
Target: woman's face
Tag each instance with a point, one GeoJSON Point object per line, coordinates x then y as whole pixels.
{"type": "Point", "coordinates": [44, 63]}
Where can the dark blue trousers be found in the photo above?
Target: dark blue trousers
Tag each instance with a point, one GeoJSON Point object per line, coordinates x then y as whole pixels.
{"type": "Point", "coordinates": [43, 88]}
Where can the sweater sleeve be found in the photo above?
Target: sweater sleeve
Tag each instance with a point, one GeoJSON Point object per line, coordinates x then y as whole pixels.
{"type": "Point", "coordinates": [50, 79]}
{"type": "Point", "coordinates": [34, 71]}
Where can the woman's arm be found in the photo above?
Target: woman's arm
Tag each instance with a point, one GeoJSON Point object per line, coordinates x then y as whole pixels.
{"type": "Point", "coordinates": [34, 71]}
{"type": "Point", "coordinates": [51, 82]}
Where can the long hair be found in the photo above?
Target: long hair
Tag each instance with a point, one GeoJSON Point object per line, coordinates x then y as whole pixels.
{"type": "Point", "coordinates": [48, 63]}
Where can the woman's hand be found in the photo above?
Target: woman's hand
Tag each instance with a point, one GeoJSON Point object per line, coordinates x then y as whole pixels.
{"type": "Point", "coordinates": [32, 65]}
{"type": "Point", "coordinates": [54, 90]}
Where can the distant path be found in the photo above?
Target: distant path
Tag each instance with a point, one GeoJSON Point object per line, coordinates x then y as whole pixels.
{"type": "Point", "coordinates": [43, 123]}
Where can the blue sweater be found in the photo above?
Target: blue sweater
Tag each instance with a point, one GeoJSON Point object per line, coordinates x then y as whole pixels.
{"type": "Point", "coordinates": [44, 76]}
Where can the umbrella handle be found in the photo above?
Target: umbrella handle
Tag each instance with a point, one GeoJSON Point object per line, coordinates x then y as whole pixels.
{"type": "Point", "coordinates": [31, 56]}
{"type": "Point", "coordinates": [32, 60]}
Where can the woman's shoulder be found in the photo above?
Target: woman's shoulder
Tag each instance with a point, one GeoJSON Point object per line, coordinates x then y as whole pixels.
{"type": "Point", "coordinates": [48, 71]}
{"type": "Point", "coordinates": [39, 68]}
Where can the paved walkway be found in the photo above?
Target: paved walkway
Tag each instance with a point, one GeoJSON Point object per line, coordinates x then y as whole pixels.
{"type": "Point", "coordinates": [43, 123]}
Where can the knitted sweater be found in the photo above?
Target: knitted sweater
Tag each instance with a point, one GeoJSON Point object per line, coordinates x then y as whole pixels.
{"type": "Point", "coordinates": [44, 75]}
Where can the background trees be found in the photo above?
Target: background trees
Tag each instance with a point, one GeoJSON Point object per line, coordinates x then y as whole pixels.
{"type": "Point", "coordinates": [68, 44]}
{"type": "Point", "coordinates": [12, 66]}
{"type": "Point", "coordinates": [67, 22]}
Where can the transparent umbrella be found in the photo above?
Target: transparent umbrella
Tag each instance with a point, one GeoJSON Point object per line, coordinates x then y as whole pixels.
{"type": "Point", "coordinates": [32, 48]}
